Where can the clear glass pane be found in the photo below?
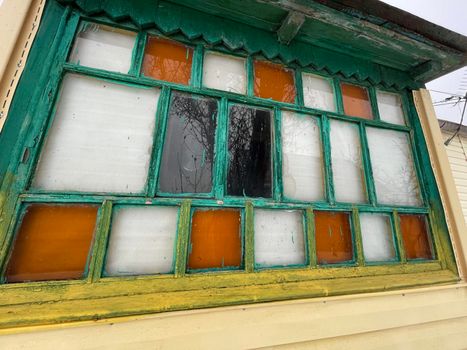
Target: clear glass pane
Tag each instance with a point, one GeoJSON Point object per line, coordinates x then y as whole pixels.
{"type": "Point", "coordinates": [249, 172]}
{"type": "Point", "coordinates": [318, 92]}
{"type": "Point", "coordinates": [101, 138]}
{"type": "Point", "coordinates": [347, 166]}
{"type": "Point", "coordinates": [279, 238]}
{"type": "Point", "coordinates": [103, 47]}
{"type": "Point", "coordinates": [186, 165]}
{"type": "Point", "coordinates": [390, 107]}
{"type": "Point", "coordinates": [356, 101]}
{"type": "Point", "coordinates": [378, 243]}
{"type": "Point", "coordinates": [223, 72]}
{"type": "Point", "coordinates": [142, 241]}
{"type": "Point", "coordinates": [393, 167]}
{"type": "Point", "coordinates": [302, 161]}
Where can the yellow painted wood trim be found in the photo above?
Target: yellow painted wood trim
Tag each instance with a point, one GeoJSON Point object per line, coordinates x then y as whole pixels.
{"type": "Point", "coordinates": [444, 178]}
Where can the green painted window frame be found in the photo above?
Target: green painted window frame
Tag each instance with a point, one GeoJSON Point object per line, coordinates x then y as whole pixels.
{"type": "Point", "coordinates": [99, 296]}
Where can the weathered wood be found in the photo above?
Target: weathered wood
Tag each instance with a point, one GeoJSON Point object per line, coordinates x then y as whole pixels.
{"type": "Point", "coordinates": [290, 27]}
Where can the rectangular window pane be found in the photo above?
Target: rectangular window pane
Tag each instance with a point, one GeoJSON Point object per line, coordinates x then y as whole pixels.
{"type": "Point", "coordinates": [356, 101]}
{"type": "Point", "coordinates": [223, 72]}
{"type": "Point", "coordinates": [249, 172]}
{"type": "Point", "coordinates": [279, 238]}
{"type": "Point", "coordinates": [186, 165]}
{"type": "Point", "coordinates": [103, 47]}
{"type": "Point", "coordinates": [142, 241]}
{"type": "Point", "coordinates": [346, 159]}
{"type": "Point", "coordinates": [302, 161]}
{"type": "Point", "coordinates": [52, 243]}
{"type": "Point", "coordinates": [378, 243]}
{"type": "Point", "coordinates": [318, 92]}
{"type": "Point", "coordinates": [333, 237]}
{"type": "Point", "coordinates": [274, 81]}
{"type": "Point", "coordinates": [101, 138]}
{"type": "Point", "coordinates": [390, 107]}
{"type": "Point", "coordinates": [167, 60]}
{"type": "Point", "coordinates": [415, 236]}
{"type": "Point", "coordinates": [216, 239]}
{"type": "Point", "coordinates": [393, 167]}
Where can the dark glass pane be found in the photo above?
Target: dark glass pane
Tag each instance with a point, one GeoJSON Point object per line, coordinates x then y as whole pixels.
{"type": "Point", "coordinates": [249, 152]}
{"type": "Point", "coordinates": [188, 155]}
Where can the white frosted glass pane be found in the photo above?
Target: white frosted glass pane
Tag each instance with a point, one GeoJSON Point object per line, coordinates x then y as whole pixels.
{"type": "Point", "coordinates": [390, 107]}
{"type": "Point", "coordinates": [393, 167]}
{"type": "Point", "coordinates": [142, 241]}
{"type": "Point", "coordinates": [100, 139]}
{"type": "Point", "coordinates": [224, 72]}
{"type": "Point", "coordinates": [346, 159]}
{"type": "Point", "coordinates": [279, 238]}
{"type": "Point", "coordinates": [318, 92]}
{"type": "Point", "coordinates": [377, 238]}
{"type": "Point", "coordinates": [104, 47]}
{"type": "Point", "coordinates": [302, 164]}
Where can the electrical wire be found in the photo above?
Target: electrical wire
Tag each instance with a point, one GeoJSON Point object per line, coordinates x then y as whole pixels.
{"type": "Point", "coordinates": [448, 141]}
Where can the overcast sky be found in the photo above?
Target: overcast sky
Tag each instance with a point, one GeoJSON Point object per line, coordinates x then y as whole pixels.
{"type": "Point", "coordinates": [451, 14]}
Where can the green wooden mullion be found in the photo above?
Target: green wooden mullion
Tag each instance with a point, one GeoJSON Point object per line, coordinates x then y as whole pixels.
{"type": "Point", "coordinates": [436, 246]}
{"type": "Point", "coordinates": [249, 238]}
{"type": "Point", "coordinates": [358, 237]}
{"type": "Point", "coordinates": [397, 230]}
{"type": "Point", "coordinates": [197, 67]}
{"type": "Point", "coordinates": [374, 102]}
{"type": "Point", "coordinates": [338, 95]}
{"type": "Point", "coordinates": [96, 263]}
{"type": "Point", "coordinates": [250, 76]}
{"type": "Point", "coordinates": [368, 170]}
{"type": "Point", "coordinates": [183, 237]}
{"type": "Point", "coordinates": [329, 183]}
{"type": "Point", "coordinates": [311, 237]}
{"type": "Point", "coordinates": [299, 87]}
{"type": "Point", "coordinates": [221, 154]}
{"type": "Point", "coordinates": [277, 156]}
{"type": "Point", "coordinates": [138, 54]}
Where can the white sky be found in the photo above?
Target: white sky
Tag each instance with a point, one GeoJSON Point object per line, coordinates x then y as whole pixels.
{"type": "Point", "coordinates": [451, 14]}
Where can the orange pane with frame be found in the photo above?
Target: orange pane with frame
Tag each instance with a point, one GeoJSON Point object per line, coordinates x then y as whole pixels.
{"type": "Point", "coordinates": [333, 237]}
{"type": "Point", "coordinates": [215, 240]}
{"type": "Point", "coordinates": [356, 101]}
{"type": "Point", "coordinates": [52, 243]}
{"type": "Point", "coordinates": [274, 81]}
{"type": "Point", "coordinates": [414, 232]}
{"type": "Point", "coordinates": [167, 60]}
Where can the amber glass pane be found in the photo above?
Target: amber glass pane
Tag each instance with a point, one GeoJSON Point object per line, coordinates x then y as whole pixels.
{"type": "Point", "coordinates": [53, 243]}
{"type": "Point", "coordinates": [167, 60]}
{"type": "Point", "coordinates": [274, 81]}
{"type": "Point", "coordinates": [333, 237]}
{"type": "Point", "coordinates": [215, 239]}
{"type": "Point", "coordinates": [415, 237]}
{"type": "Point", "coordinates": [356, 101]}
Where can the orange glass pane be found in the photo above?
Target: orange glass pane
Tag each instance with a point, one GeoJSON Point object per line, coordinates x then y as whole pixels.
{"type": "Point", "coordinates": [356, 101]}
{"type": "Point", "coordinates": [274, 81]}
{"type": "Point", "coordinates": [53, 243]}
{"type": "Point", "coordinates": [333, 237]}
{"type": "Point", "coordinates": [167, 60]}
{"type": "Point", "coordinates": [415, 237]}
{"type": "Point", "coordinates": [215, 239]}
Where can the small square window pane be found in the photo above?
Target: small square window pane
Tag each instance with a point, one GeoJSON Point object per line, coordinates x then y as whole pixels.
{"type": "Point", "coordinates": [393, 167]}
{"type": "Point", "coordinates": [103, 47]}
{"type": "Point", "coordinates": [142, 241]}
{"type": "Point", "coordinates": [223, 72]}
{"type": "Point", "coordinates": [274, 81]}
{"type": "Point", "coordinates": [347, 165]}
{"type": "Point", "coordinates": [414, 230]}
{"type": "Point", "coordinates": [302, 161]}
{"type": "Point", "coordinates": [318, 92]}
{"type": "Point", "coordinates": [356, 101]}
{"type": "Point", "coordinates": [390, 107]}
{"type": "Point", "coordinates": [101, 138]}
{"type": "Point", "coordinates": [378, 243]}
{"type": "Point", "coordinates": [279, 238]}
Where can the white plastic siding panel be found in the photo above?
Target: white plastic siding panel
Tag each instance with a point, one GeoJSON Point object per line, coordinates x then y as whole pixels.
{"type": "Point", "coordinates": [223, 72]}
{"type": "Point", "coordinates": [142, 241]}
{"type": "Point", "coordinates": [318, 92]}
{"type": "Point", "coordinates": [100, 140]}
{"type": "Point", "coordinates": [279, 238]}
{"type": "Point", "coordinates": [378, 244]}
{"type": "Point", "coordinates": [103, 47]}
{"type": "Point", "coordinates": [347, 165]}
{"type": "Point", "coordinates": [390, 107]}
{"type": "Point", "coordinates": [302, 163]}
{"type": "Point", "coordinates": [393, 166]}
